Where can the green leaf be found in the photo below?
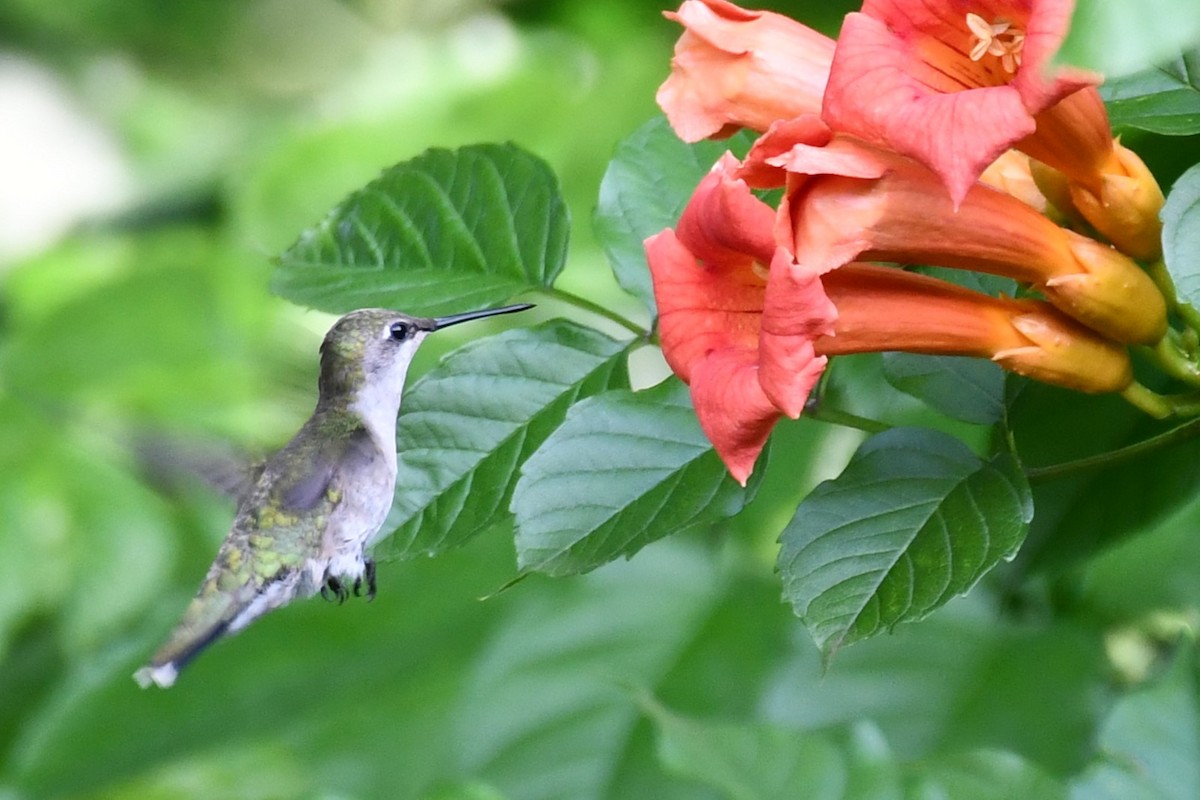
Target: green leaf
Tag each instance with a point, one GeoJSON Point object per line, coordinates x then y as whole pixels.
{"type": "Point", "coordinates": [760, 761]}
{"type": "Point", "coordinates": [1142, 575]}
{"type": "Point", "coordinates": [447, 231]}
{"type": "Point", "coordinates": [914, 520]}
{"type": "Point", "coordinates": [1181, 235]}
{"type": "Point", "coordinates": [1150, 742]}
{"type": "Point", "coordinates": [991, 285]}
{"type": "Point", "coordinates": [315, 678]}
{"type": "Point", "coordinates": [624, 469]}
{"type": "Point", "coordinates": [545, 714]}
{"type": "Point", "coordinates": [258, 771]}
{"type": "Point", "coordinates": [1081, 511]}
{"type": "Point", "coordinates": [59, 553]}
{"type": "Point", "coordinates": [648, 182]}
{"type": "Point", "coordinates": [1163, 99]}
{"type": "Point", "coordinates": [966, 678]}
{"type": "Point", "coordinates": [968, 389]}
{"type": "Point", "coordinates": [468, 424]}
{"type": "Point", "coordinates": [1117, 37]}
{"type": "Point", "coordinates": [985, 775]}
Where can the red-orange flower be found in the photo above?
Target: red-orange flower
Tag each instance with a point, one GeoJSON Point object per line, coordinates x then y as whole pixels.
{"type": "Point", "coordinates": [737, 330]}
{"type": "Point", "coordinates": [950, 84]}
{"type": "Point", "coordinates": [848, 200]}
{"type": "Point", "coordinates": [736, 68]}
{"type": "Point", "coordinates": [750, 330]}
{"type": "Point", "coordinates": [1094, 175]}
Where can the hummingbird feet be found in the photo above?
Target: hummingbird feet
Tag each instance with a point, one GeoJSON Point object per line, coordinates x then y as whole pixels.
{"type": "Point", "coordinates": [334, 589]}
{"type": "Point", "coordinates": [369, 574]}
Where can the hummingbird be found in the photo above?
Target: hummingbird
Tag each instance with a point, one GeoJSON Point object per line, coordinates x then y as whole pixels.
{"type": "Point", "coordinates": [313, 509]}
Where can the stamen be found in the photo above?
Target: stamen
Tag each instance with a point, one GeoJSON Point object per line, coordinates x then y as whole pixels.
{"type": "Point", "coordinates": [998, 39]}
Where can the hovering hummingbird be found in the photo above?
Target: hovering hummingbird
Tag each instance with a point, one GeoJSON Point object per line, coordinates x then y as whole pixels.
{"type": "Point", "coordinates": [316, 505]}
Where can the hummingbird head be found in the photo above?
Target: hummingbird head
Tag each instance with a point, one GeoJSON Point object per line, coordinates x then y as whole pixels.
{"type": "Point", "coordinates": [371, 349]}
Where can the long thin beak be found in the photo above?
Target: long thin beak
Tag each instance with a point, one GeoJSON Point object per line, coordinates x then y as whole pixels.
{"type": "Point", "coordinates": [467, 316]}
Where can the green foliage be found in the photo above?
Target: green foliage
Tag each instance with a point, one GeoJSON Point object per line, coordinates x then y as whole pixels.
{"type": "Point", "coordinates": [968, 389]}
{"type": "Point", "coordinates": [1181, 235]}
{"type": "Point", "coordinates": [1149, 742]}
{"type": "Point", "coordinates": [445, 231]}
{"type": "Point", "coordinates": [1080, 511]}
{"type": "Point", "coordinates": [1163, 99]}
{"type": "Point", "coordinates": [914, 520]}
{"type": "Point", "coordinates": [624, 469]}
{"type": "Point", "coordinates": [1117, 37]}
{"type": "Point", "coordinates": [676, 674]}
{"type": "Point", "coordinates": [644, 190]}
{"type": "Point", "coordinates": [469, 421]}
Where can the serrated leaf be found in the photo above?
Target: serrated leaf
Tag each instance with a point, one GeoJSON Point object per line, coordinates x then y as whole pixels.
{"type": "Point", "coordinates": [447, 231]}
{"type": "Point", "coordinates": [648, 182]}
{"type": "Point", "coordinates": [968, 389]}
{"type": "Point", "coordinates": [1181, 235]}
{"type": "Point", "coordinates": [467, 426]}
{"type": "Point", "coordinates": [1163, 99]}
{"type": "Point", "coordinates": [915, 519]}
{"type": "Point", "coordinates": [624, 469]}
{"type": "Point", "coordinates": [1117, 37]}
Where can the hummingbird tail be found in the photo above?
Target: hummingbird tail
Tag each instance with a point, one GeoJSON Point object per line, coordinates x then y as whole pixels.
{"type": "Point", "coordinates": [213, 614]}
{"type": "Point", "coordinates": [164, 668]}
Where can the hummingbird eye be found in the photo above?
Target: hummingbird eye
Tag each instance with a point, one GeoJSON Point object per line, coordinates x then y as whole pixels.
{"type": "Point", "coordinates": [400, 331]}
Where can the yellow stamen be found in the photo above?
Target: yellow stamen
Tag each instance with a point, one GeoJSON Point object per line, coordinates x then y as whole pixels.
{"type": "Point", "coordinates": [998, 39]}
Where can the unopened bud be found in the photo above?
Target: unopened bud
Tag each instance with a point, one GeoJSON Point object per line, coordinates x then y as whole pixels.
{"type": "Point", "coordinates": [1064, 353]}
{"type": "Point", "coordinates": [1126, 210]}
{"type": "Point", "coordinates": [1111, 294]}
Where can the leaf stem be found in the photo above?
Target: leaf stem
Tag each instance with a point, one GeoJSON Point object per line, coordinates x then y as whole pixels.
{"type": "Point", "coordinates": [598, 310]}
{"type": "Point", "coordinates": [836, 416]}
{"type": "Point", "coordinates": [1188, 430]}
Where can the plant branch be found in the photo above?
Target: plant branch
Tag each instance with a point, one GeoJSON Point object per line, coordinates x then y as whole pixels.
{"type": "Point", "coordinates": [1189, 430]}
{"type": "Point", "coordinates": [598, 310]}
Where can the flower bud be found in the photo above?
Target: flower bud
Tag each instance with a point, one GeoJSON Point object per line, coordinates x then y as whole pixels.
{"type": "Point", "coordinates": [1111, 294]}
{"type": "Point", "coordinates": [1126, 209]}
{"type": "Point", "coordinates": [1066, 354]}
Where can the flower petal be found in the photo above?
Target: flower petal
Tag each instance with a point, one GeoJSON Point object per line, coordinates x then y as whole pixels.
{"type": "Point", "coordinates": [796, 313]}
{"type": "Point", "coordinates": [903, 75]}
{"type": "Point", "coordinates": [701, 308]}
{"type": "Point", "coordinates": [734, 412]}
{"type": "Point", "coordinates": [737, 68]}
{"type": "Point", "coordinates": [724, 222]}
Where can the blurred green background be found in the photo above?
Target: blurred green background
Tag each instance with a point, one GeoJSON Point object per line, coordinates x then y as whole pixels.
{"type": "Point", "coordinates": [153, 158]}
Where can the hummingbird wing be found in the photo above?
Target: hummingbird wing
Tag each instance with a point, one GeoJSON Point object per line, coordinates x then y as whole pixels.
{"type": "Point", "coordinates": [273, 551]}
{"type": "Point", "coordinates": [168, 459]}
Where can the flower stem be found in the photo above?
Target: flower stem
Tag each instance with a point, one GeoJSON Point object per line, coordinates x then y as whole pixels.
{"type": "Point", "coordinates": [1168, 355]}
{"type": "Point", "coordinates": [598, 310]}
{"type": "Point", "coordinates": [1152, 403]}
{"type": "Point", "coordinates": [1189, 430]}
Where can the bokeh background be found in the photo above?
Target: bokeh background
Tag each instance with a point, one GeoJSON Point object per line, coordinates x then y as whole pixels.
{"type": "Point", "coordinates": [153, 158]}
